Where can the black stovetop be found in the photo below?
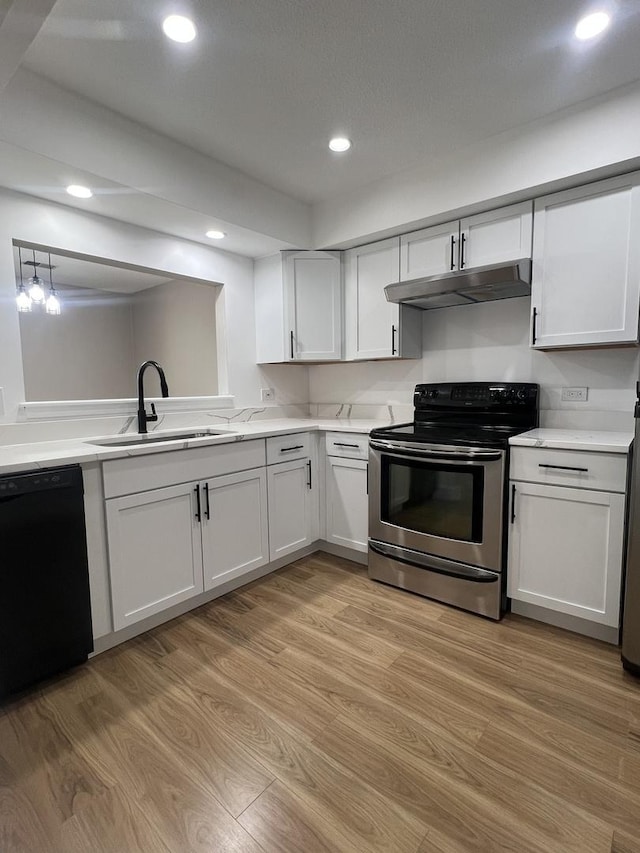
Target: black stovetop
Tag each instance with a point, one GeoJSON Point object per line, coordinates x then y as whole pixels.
{"type": "Point", "coordinates": [483, 414]}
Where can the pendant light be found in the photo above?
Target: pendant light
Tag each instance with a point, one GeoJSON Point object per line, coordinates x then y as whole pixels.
{"type": "Point", "coordinates": [23, 300]}
{"type": "Point", "coordinates": [36, 290]}
{"type": "Point", "coordinates": [52, 305]}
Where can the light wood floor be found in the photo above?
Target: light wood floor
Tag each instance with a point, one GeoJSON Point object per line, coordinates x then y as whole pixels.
{"type": "Point", "coordinates": [316, 710]}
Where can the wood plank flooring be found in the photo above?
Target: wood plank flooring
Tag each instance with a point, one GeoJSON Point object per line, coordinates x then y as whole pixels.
{"type": "Point", "coordinates": [316, 711]}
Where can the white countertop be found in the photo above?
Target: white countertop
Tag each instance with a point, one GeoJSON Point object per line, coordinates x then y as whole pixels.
{"type": "Point", "coordinates": [46, 454]}
{"type": "Point", "coordinates": [575, 439]}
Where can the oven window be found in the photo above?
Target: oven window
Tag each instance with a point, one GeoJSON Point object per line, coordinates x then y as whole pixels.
{"type": "Point", "coordinates": [435, 499]}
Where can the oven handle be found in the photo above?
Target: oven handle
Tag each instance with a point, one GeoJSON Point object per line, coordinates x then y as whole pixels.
{"type": "Point", "coordinates": [397, 449]}
{"type": "Point", "coordinates": [434, 564]}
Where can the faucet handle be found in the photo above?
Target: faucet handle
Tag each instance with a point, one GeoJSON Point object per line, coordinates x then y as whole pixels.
{"type": "Point", "coordinates": [153, 416]}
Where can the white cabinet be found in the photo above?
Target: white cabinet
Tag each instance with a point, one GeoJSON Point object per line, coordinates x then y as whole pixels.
{"type": "Point", "coordinates": [155, 552]}
{"type": "Point", "coordinates": [566, 542]}
{"type": "Point", "coordinates": [235, 536]}
{"type": "Point", "coordinates": [586, 265]}
{"type": "Point", "coordinates": [291, 505]}
{"type": "Point", "coordinates": [347, 518]}
{"type": "Point", "coordinates": [375, 328]}
{"type": "Point", "coordinates": [488, 238]}
{"type": "Point", "coordinates": [298, 298]}
{"type": "Point", "coordinates": [167, 545]}
{"type": "Point", "coordinates": [181, 522]}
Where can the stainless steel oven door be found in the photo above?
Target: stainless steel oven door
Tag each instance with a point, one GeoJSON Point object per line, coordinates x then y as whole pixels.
{"type": "Point", "coordinates": [438, 499]}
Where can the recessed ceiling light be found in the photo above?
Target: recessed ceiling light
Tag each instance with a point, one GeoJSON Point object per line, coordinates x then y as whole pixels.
{"type": "Point", "coordinates": [179, 28]}
{"type": "Point", "coordinates": [215, 235]}
{"type": "Point", "coordinates": [340, 143]}
{"type": "Point", "coordinates": [79, 191]}
{"type": "Point", "coordinates": [592, 25]}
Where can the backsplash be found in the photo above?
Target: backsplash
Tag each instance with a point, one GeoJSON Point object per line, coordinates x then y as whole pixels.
{"type": "Point", "coordinates": [395, 413]}
{"type": "Point", "coordinates": [487, 342]}
{"type": "Point", "coordinates": [21, 433]}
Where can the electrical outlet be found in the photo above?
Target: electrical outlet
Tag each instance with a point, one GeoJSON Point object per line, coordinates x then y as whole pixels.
{"type": "Point", "coordinates": [267, 395]}
{"type": "Point", "coordinates": [574, 395]}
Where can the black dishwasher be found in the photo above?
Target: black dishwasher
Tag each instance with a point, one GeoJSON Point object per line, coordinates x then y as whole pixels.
{"type": "Point", "coordinates": [45, 612]}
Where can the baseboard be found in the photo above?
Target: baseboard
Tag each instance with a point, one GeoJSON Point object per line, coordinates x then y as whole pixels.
{"type": "Point", "coordinates": [340, 551]}
{"type": "Point", "coordinates": [570, 623]}
{"type": "Point", "coordinates": [109, 641]}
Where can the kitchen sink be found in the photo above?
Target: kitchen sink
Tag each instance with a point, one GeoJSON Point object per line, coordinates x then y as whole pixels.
{"type": "Point", "coordinates": [151, 438]}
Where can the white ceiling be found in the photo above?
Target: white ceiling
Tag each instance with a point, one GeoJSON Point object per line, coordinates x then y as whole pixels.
{"type": "Point", "coordinates": [27, 172]}
{"type": "Point", "coordinates": [79, 273]}
{"type": "Point", "coordinates": [267, 82]}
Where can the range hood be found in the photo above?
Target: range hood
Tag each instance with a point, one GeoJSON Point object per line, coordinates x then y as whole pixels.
{"type": "Point", "coordinates": [464, 287]}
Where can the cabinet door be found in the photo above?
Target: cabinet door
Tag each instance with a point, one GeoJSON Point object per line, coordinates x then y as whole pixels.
{"type": "Point", "coordinates": [565, 550]}
{"type": "Point", "coordinates": [499, 235]}
{"type": "Point", "coordinates": [371, 322]}
{"type": "Point", "coordinates": [586, 265]}
{"type": "Point", "coordinates": [155, 552]}
{"type": "Point", "coordinates": [313, 284]}
{"type": "Point", "coordinates": [347, 503]}
{"type": "Point", "coordinates": [235, 536]}
{"type": "Point", "coordinates": [290, 505]}
{"type": "Point", "coordinates": [431, 251]}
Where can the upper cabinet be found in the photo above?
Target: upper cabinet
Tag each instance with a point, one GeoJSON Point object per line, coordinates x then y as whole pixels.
{"type": "Point", "coordinates": [375, 328]}
{"type": "Point", "coordinates": [299, 307]}
{"type": "Point", "coordinates": [488, 238]}
{"type": "Point", "coordinates": [586, 265]}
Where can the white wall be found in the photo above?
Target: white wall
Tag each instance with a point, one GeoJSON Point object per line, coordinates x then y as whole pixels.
{"type": "Point", "coordinates": [31, 220]}
{"type": "Point", "coordinates": [490, 342]}
{"type": "Point", "coordinates": [83, 353]}
{"type": "Point", "coordinates": [175, 324]}
{"type": "Point", "coordinates": [601, 136]}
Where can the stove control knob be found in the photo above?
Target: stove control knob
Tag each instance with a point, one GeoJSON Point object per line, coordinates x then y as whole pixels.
{"type": "Point", "coordinates": [522, 394]}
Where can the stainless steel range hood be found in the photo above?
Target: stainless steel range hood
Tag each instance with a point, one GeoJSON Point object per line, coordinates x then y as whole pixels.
{"type": "Point", "coordinates": [464, 287]}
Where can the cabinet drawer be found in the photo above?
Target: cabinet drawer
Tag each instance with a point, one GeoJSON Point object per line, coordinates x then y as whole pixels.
{"type": "Point", "coordinates": [349, 445]}
{"type": "Point", "coordinates": [141, 473]}
{"type": "Point", "coordinates": [577, 468]}
{"type": "Point", "coordinates": [284, 448]}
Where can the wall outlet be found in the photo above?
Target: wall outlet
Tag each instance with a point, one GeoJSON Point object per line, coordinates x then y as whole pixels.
{"type": "Point", "coordinates": [267, 395]}
{"type": "Point", "coordinates": [574, 395]}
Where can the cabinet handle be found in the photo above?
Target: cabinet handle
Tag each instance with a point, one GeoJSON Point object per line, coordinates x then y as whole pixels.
{"type": "Point", "coordinates": [463, 240]}
{"type": "Point", "coordinates": [198, 509]}
{"type": "Point", "coordinates": [344, 444]}
{"type": "Point", "coordinates": [513, 504]}
{"type": "Point", "coordinates": [534, 326]}
{"type": "Point", "coordinates": [367, 487]}
{"type": "Point", "coordinates": [289, 449]}
{"type": "Point", "coordinates": [309, 473]}
{"type": "Point", "coordinates": [393, 340]}
{"type": "Point", "coordinates": [563, 468]}
{"type": "Point", "coordinates": [291, 343]}
{"type": "Point", "coordinates": [207, 510]}
{"type": "Point", "coordinates": [453, 245]}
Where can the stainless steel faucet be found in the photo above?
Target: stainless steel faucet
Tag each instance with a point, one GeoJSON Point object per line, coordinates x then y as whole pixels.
{"type": "Point", "coordinates": [143, 417]}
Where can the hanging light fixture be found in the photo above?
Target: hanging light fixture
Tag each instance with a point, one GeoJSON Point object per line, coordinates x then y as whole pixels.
{"type": "Point", "coordinates": [52, 305]}
{"type": "Point", "coordinates": [36, 290]}
{"type": "Point", "coordinates": [23, 300]}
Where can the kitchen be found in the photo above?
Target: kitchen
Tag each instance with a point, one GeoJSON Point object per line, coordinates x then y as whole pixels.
{"type": "Point", "coordinates": [297, 619]}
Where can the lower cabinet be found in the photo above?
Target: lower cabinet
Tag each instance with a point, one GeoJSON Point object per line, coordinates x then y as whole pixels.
{"type": "Point", "coordinates": [170, 544]}
{"type": "Point", "coordinates": [235, 536]}
{"type": "Point", "coordinates": [155, 551]}
{"type": "Point", "coordinates": [291, 504]}
{"type": "Point", "coordinates": [566, 550]}
{"type": "Point", "coordinates": [347, 518]}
